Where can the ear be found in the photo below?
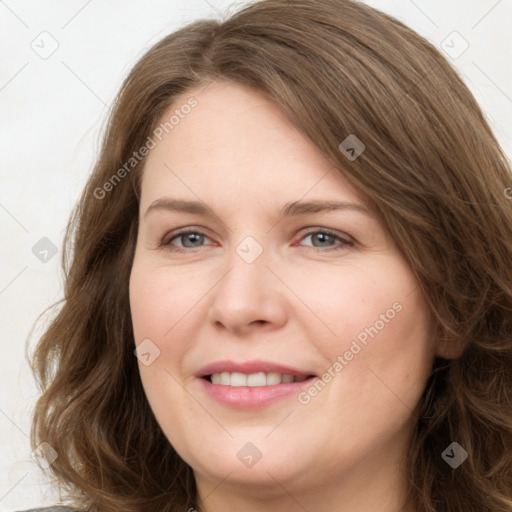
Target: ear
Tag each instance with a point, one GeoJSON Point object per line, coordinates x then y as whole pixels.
{"type": "Point", "coordinates": [449, 346]}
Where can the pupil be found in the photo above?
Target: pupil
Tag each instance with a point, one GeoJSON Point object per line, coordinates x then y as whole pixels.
{"type": "Point", "coordinates": [322, 237]}
{"type": "Point", "coordinates": [192, 237]}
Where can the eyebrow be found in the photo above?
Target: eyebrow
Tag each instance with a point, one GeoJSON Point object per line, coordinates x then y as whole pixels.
{"type": "Point", "coordinates": [291, 209]}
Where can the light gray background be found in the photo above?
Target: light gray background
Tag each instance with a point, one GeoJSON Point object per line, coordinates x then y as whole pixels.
{"type": "Point", "coordinates": [53, 108]}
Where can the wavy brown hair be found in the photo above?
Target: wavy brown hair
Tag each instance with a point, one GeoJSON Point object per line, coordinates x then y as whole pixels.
{"type": "Point", "coordinates": [432, 167]}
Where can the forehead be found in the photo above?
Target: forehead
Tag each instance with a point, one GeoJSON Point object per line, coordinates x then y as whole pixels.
{"type": "Point", "coordinates": [236, 142]}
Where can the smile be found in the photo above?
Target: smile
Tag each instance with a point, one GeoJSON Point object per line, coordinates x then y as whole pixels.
{"type": "Point", "coordinates": [251, 384]}
{"type": "Point", "coordinates": [260, 379]}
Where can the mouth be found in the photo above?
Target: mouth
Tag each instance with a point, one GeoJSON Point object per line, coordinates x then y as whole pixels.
{"type": "Point", "coordinates": [254, 373]}
{"type": "Point", "coordinates": [253, 383]}
{"type": "Point", "coordinates": [259, 379]}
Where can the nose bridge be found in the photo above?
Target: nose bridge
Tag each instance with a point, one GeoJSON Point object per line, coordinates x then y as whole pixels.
{"type": "Point", "coordinates": [248, 293]}
{"type": "Point", "coordinates": [250, 250]}
{"type": "Point", "coordinates": [248, 273]}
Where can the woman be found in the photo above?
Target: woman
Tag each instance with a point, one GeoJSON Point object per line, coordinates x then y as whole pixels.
{"type": "Point", "coordinates": [291, 280]}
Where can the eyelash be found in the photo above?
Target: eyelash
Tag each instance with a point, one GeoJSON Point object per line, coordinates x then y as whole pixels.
{"type": "Point", "coordinates": [168, 246]}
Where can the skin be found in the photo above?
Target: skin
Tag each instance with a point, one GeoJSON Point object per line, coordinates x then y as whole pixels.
{"type": "Point", "coordinates": [301, 303]}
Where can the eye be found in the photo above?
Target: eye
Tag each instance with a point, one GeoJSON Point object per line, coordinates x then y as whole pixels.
{"type": "Point", "coordinates": [189, 239]}
{"type": "Point", "coordinates": [326, 239]}
{"type": "Point", "coordinates": [192, 239]}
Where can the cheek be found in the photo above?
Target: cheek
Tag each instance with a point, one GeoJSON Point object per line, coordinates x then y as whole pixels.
{"type": "Point", "coordinates": [145, 301]}
{"type": "Point", "coordinates": [158, 303]}
{"type": "Point", "coordinates": [378, 323]}
{"type": "Point", "coordinates": [160, 297]}
{"type": "Point", "coordinates": [405, 354]}
{"type": "Point", "coordinates": [351, 301]}
{"type": "Point", "coordinates": [388, 359]}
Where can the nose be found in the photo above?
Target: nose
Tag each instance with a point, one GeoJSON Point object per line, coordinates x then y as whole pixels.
{"type": "Point", "coordinates": [249, 297]}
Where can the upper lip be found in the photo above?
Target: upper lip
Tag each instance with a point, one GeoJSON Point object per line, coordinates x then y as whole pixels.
{"type": "Point", "coordinates": [249, 367]}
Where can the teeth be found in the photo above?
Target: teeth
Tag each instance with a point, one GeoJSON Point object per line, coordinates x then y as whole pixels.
{"type": "Point", "coordinates": [237, 379]}
{"type": "Point", "coordinates": [254, 379]}
{"type": "Point", "coordinates": [273, 379]}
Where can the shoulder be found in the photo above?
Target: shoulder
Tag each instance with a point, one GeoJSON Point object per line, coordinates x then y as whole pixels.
{"type": "Point", "coordinates": [51, 509]}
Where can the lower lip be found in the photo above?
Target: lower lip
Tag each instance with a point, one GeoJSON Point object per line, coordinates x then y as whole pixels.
{"type": "Point", "coordinates": [246, 397]}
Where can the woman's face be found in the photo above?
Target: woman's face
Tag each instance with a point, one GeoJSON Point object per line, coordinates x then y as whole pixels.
{"type": "Point", "coordinates": [272, 283]}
